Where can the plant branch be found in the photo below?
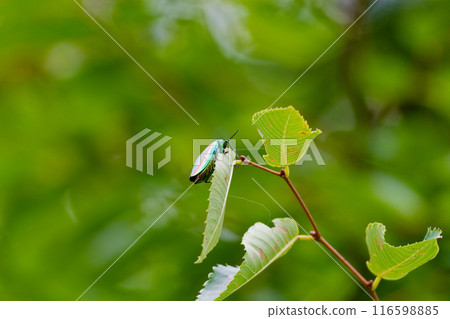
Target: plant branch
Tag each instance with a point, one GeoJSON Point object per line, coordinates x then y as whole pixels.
{"type": "Point", "coordinates": [316, 234]}
{"type": "Point", "coordinates": [245, 160]}
{"type": "Point", "coordinates": [302, 203]}
{"type": "Point", "coordinates": [344, 261]}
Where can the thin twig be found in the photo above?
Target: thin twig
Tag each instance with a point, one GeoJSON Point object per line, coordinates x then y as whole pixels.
{"type": "Point", "coordinates": [343, 260]}
{"type": "Point", "coordinates": [316, 234]}
{"type": "Point", "coordinates": [245, 160]}
{"type": "Point", "coordinates": [302, 203]}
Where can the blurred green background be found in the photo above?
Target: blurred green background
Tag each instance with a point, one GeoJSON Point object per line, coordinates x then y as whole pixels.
{"type": "Point", "coordinates": [70, 98]}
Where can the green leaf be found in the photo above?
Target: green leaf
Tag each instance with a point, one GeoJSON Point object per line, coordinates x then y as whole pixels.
{"type": "Point", "coordinates": [263, 245]}
{"type": "Point", "coordinates": [220, 185]}
{"type": "Point", "coordinates": [217, 282]}
{"type": "Point", "coordinates": [286, 133]}
{"type": "Point", "coordinates": [392, 263]}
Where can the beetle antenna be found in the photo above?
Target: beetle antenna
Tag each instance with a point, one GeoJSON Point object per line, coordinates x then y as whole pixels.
{"type": "Point", "coordinates": [230, 139]}
{"type": "Point", "coordinates": [233, 135]}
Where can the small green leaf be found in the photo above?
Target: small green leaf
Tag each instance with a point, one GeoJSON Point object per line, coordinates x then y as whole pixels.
{"type": "Point", "coordinates": [392, 263]}
{"type": "Point", "coordinates": [263, 245]}
{"type": "Point", "coordinates": [286, 134]}
{"type": "Point", "coordinates": [217, 282]}
{"type": "Point", "coordinates": [220, 186]}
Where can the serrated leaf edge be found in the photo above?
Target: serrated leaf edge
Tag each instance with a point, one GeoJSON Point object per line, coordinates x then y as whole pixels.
{"type": "Point", "coordinates": [278, 255]}
{"type": "Point", "coordinates": [225, 293]}
{"type": "Point", "coordinates": [312, 134]}
{"type": "Point", "coordinates": [383, 231]}
{"type": "Point", "coordinates": [201, 257]}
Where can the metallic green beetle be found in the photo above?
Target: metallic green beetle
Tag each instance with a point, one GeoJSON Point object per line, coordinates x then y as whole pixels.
{"type": "Point", "coordinates": [205, 163]}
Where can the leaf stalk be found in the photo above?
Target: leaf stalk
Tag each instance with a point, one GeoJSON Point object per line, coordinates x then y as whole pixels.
{"type": "Point", "coordinates": [375, 283]}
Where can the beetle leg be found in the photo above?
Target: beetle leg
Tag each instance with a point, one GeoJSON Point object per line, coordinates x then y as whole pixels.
{"type": "Point", "coordinates": [208, 180]}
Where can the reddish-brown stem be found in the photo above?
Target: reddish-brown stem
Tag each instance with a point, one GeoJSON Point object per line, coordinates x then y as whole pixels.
{"type": "Point", "coordinates": [245, 160]}
{"type": "Point", "coordinates": [302, 203]}
{"type": "Point", "coordinates": [315, 233]}
{"type": "Point", "coordinates": [343, 260]}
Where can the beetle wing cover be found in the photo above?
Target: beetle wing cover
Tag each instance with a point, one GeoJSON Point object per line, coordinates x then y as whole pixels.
{"type": "Point", "coordinates": [205, 158]}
